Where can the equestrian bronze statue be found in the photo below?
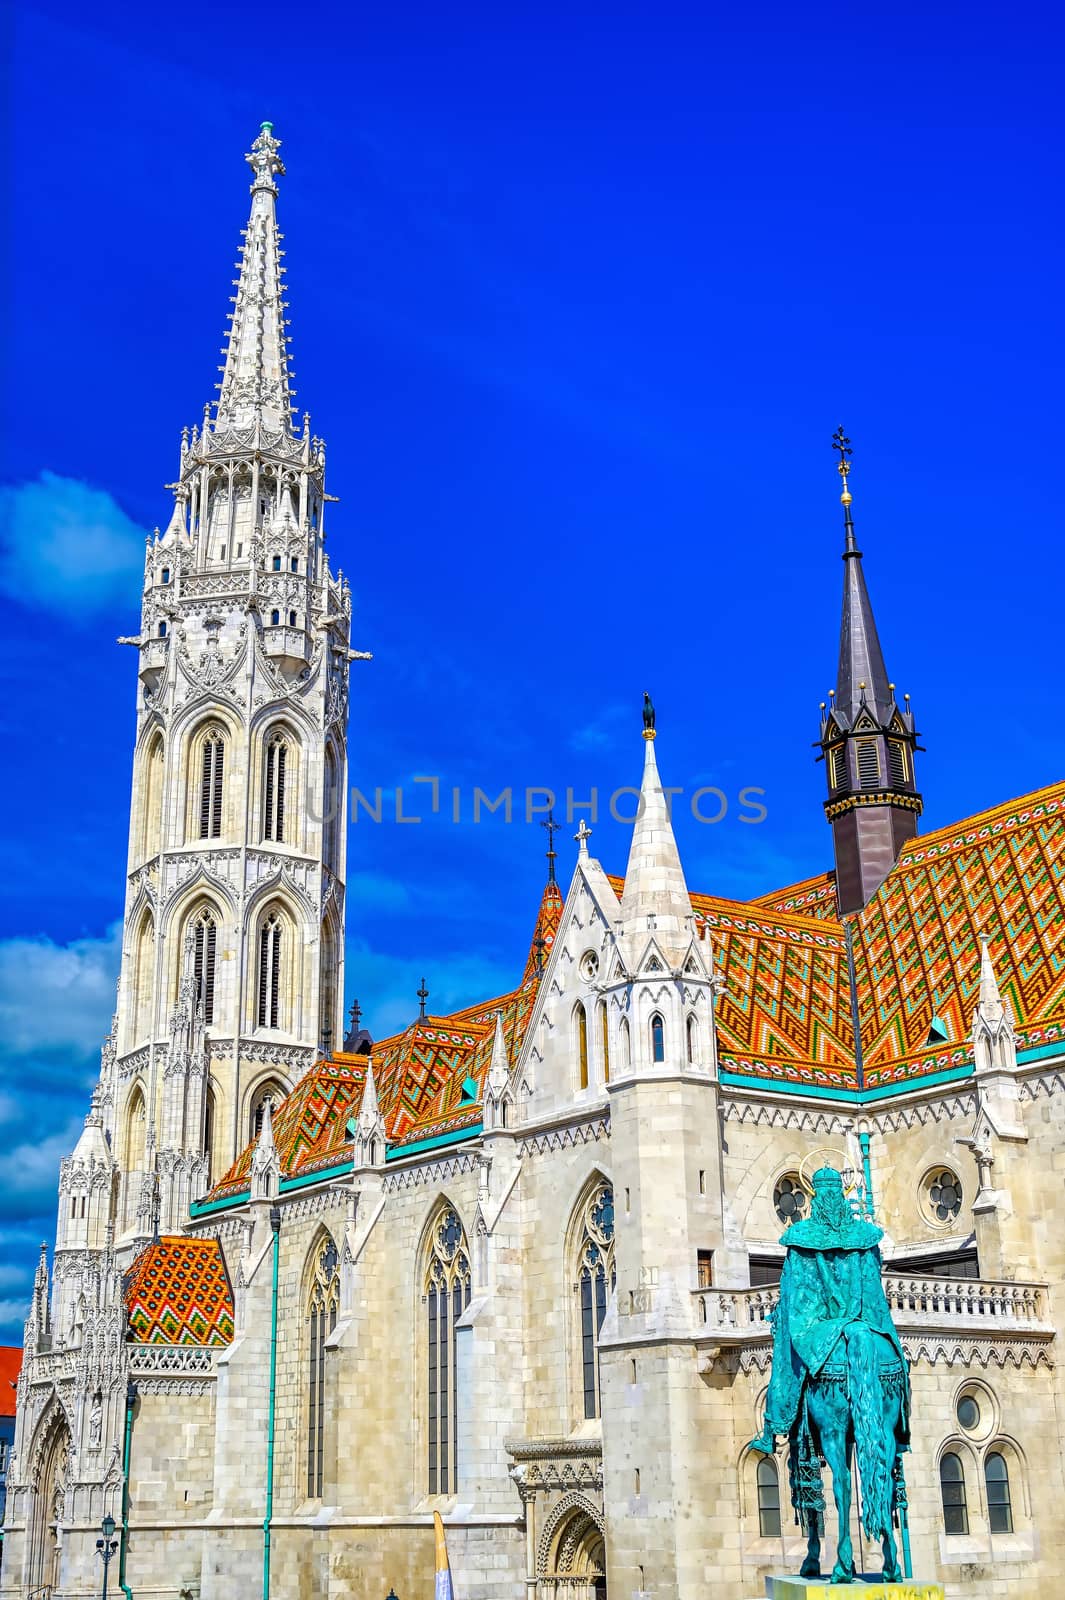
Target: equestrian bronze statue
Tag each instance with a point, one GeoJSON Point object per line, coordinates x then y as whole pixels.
{"type": "Point", "coordinates": [840, 1386]}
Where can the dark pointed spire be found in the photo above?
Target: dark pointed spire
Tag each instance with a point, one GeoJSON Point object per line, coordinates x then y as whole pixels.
{"type": "Point", "coordinates": [862, 674]}
{"type": "Point", "coordinates": [867, 741]}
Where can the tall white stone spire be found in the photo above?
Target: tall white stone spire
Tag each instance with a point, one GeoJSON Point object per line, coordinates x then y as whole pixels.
{"type": "Point", "coordinates": [655, 898]}
{"type": "Point", "coordinates": [255, 378]}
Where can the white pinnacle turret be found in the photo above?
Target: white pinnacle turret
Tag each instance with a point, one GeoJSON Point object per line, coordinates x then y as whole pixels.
{"type": "Point", "coordinates": [655, 898]}
{"type": "Point", "coordinates": [255, 378]}
{"type": "Point", "coordinates": [265, 1165]}
{"type": "Point", "coordinates": [498, 1068]}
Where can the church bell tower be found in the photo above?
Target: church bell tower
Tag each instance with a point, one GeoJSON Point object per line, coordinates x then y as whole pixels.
{"type": "Point", "coordinates": [232, 959]}
{"type": "Point", "coordinates": [867, 740]}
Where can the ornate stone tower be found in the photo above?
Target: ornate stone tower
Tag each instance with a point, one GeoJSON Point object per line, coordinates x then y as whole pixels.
{"type": "Point", "coordinates": [234, 920]}
{"type": "Point", "coordinates": [867, 741]}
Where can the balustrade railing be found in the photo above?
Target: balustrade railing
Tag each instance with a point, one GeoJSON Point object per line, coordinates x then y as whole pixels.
{"type": "Point", "coordinates": [967, 1304]}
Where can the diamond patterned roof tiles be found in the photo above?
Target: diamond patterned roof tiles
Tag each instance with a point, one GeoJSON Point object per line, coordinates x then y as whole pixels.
{"type": "Point", "coordinates": [784, 1013]}
{"type": "Point", "coordinates": [177, 1292]}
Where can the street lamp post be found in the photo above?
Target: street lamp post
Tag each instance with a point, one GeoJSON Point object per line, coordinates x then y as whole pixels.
{"type": "Point", "coordinates": [106, 1547]}
{"type": "Point", "coordinates": [391, 1595]}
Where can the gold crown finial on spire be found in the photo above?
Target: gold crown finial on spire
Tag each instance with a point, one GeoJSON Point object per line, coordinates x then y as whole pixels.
{"type": "Point", "coordinates": [841, 443]}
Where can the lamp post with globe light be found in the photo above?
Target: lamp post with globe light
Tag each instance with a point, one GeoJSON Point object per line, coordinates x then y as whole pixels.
{"type": "Point", "coordinates": [107, 1547]}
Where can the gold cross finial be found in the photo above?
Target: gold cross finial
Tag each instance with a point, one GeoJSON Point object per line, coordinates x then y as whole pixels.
{"type": "Point", "coordinates": [841, 443]}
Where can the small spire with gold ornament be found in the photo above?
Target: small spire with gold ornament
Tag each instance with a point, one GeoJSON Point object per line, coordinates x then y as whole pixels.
{"type": "Point", "coordinates": [841, 443]}
{"type": "Point", "coordinates": [648, 716]}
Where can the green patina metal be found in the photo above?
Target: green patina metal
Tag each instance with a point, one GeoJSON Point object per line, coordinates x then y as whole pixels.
{"type": "Point", "coordinates": [840, 1380]}
{"type": "Point", "coordinates": [268, 1516]}
{"type": "Point", "coordinates": [127, 1440]}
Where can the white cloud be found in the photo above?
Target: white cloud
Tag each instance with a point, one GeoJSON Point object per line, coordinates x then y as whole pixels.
{"type": "Point", "coordinates": [12, 1316]}
{"type": "Point", "coordinates": [29, 1174]}
{"type": "Point", "coordinates": [67, 547]}
{"type": "Point", "coordinates": [55, 996]}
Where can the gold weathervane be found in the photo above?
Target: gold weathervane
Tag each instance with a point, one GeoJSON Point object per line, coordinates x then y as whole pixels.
{"type": "Point", "coordinates": [841, 443]}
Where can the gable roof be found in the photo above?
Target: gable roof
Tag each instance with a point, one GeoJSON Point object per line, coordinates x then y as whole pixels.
{"type": "Point", "coordinates": [784, 1014]}
{"type": "Point", "coordinates": [177, 1292]}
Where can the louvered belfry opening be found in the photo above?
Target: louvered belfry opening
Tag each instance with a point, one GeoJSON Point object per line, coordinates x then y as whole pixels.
{"type": "Point", "coordinates": [211, 777]}
{"type": "Point", "coordinates": [203, 962]}
{"type": "Point", "coordinates": [274, 798]}
{"type": "Point", "coordinates": [269, 972]}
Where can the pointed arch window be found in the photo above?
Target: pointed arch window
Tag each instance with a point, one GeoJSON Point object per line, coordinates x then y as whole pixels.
{"type": "Point", "coordinates": [580, 1017]}
{"type": "Point", "coordinates": [997, 1480]}
{"type": "Point", "coordinates": [625, 1043]}
{"type": "Point", "coordinates": [204, 950]}
{"type": "Point", "coordinates": [692, 1038]}
{"type": "Point", "coordinates": [274, 1092]}
{"type": "Point", "coordinates": [208, 1129]}
{"type": "Point", "coordinates": [604, 1040]}
{"type": "Point", "coordinates": [898, 766]}
{"type": "Point", "coordinates": [212, 770]}
{"type": "Point", "coordinates": [447, 1294]}
{"type": "Point", "coordinates": [595, 1280]}
{"type": "Point", "coordinates": [768, 1498]}
{"type": "Point", "coordinates": [151, 842]}
{"type": "Point", "coordinates": [270, 972]}
{"type": "Point", "coordinates": [323, 1304]}
{"type": "Point", "coordinates": [144, 978]}
{"type": "Point", "coordinates": [658, 1038]}
{"type": "Point", "coordinates": [331, 811]}
{"type": "Point", "coordinates": [274, 788]}
{"type": "Point", "coordinates": [952, 1492]}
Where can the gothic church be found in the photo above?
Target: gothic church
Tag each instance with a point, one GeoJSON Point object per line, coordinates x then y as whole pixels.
{"type": "Point", "coordinates": [515, 1264]}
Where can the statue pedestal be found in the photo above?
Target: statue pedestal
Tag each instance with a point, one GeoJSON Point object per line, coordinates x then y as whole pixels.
{"type": "Point", "coordinates": [863, 1588]}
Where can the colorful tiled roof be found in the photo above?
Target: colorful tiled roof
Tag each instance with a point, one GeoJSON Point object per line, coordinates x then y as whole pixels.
{"type": "Point", "coordinates": [177, 1292]}
{"type": "Point", "coordinates": [784, 1014]}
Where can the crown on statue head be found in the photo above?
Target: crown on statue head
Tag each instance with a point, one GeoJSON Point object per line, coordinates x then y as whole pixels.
{"type": "Point", "coordinates": [827, 1178]}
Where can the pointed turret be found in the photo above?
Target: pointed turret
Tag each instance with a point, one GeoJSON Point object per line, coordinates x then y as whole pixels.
{"type": "Point", "coordinates": [255, 378]}
{"type": "Point", "coordinates": [370, 1136]}
{"type": "Point", "coordinates": [867, 740]}
{"type": "Point", "coordinates": [655, 898]}
{"type": "Point", "coordinates": [994, 1037]}
{"type": "Point", "coordinates": [265, 1164]}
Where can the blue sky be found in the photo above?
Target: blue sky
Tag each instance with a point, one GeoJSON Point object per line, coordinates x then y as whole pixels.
{"type": "Point", "coordinates": [577, 301]}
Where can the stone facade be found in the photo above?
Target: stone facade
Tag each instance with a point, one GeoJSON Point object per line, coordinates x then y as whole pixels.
{"type": "Point", "coordinates": [550, 1322]}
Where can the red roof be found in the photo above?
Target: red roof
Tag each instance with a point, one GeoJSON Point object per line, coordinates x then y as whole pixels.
{"type": "Point", "coordinates": [10, 1367]}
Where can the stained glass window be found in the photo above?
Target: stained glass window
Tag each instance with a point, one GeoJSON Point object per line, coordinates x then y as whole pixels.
{"type": "Point", "coordinates": [322, 1316]}
{"type": "Point", "coordinates": [447, 1294]}
{"type": "Point", "coordinates": [595, 1279]}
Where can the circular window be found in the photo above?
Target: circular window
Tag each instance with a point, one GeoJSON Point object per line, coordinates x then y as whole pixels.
{"type": "Point", "coordinates": [968, 1413]}
{"type": "Point", "coordinates": [790, 1198]}
{"type": "Point", "coordinates": [942, 1195]}
{"type": "Point", "coordinates": [589, 965]}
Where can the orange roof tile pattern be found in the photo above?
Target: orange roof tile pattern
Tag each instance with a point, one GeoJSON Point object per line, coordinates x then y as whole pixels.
{"type": "Point", "coordinates": [177, 1292]}
{"type": "Point", "coordinates": [784, 1014]}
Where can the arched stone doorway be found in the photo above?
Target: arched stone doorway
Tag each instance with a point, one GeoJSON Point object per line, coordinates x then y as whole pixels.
{"type": "Point", "coordinates": [576, 1557]}
{"type": "Point", "coordinates": [48, 1503]}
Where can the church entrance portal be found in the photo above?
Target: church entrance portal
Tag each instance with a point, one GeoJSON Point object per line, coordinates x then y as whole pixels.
{"type": "Point", "coordinates": [48, 1509]}
{"type": "Point", "coordinates": [578, 1560]}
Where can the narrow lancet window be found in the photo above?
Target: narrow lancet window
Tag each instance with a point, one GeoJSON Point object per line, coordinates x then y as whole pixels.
{"type": "Point", "coordinates": [447, 1294]}
{"type": "Point", "coordinates": [211, 778]}
{"type": "Point", "coordinates": [274, 789]}
{"type": "Point", "coordinates": [595, 1280]}
{"type": "Point", "coordinates": [270, 972]}
{"type": "Point", "coordinates": [324, 1302]}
